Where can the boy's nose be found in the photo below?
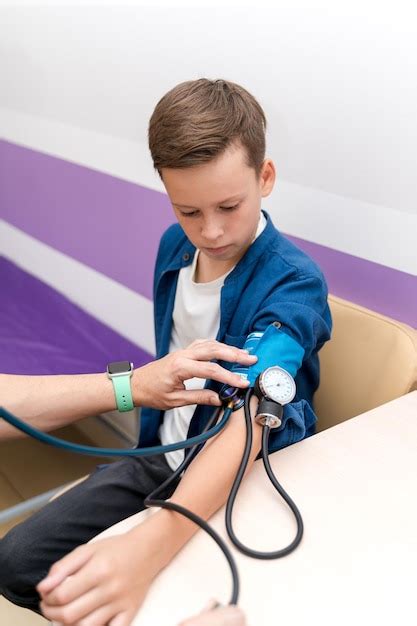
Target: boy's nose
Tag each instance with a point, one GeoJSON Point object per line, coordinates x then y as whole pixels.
{"type": "Point", "coordinates": [211, 231]}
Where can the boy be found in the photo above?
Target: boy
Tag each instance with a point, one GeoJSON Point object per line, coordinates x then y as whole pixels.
{"type": "Point", "coordinates": [222, 272]}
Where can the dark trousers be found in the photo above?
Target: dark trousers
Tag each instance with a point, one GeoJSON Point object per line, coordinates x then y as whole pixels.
{"type": "Point", "coordinates": [110, 494]}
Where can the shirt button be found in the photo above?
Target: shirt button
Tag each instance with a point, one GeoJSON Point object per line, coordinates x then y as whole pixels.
{"type": "Point", "coordinates": [185, 256]}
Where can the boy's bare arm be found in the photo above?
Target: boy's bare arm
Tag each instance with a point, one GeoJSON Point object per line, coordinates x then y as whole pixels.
{"type": "Point", "coordinates": [204, 487]}
{"type": "Point", "coordinates": [121, 568]}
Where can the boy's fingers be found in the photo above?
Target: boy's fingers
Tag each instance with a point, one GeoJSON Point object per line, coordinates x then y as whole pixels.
{"type": "Point", "coordinates": [73, 587]}
{"type": "Point", "coordinates": [63, 568]}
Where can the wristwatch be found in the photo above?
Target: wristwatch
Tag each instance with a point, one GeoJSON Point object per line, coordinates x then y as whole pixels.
{"type": "Point", "coordinates": [120, 373]}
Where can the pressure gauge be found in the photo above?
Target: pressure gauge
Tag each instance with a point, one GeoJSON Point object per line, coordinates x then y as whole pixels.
{"type": "Point", "coordinates": [276, 384]}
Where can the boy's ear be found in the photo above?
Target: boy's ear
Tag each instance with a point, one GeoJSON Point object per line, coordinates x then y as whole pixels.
{"type": "Point", "coordinates": [267, 177]}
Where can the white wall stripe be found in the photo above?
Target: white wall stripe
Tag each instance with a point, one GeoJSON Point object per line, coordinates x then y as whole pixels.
{"type": "Point", "coordinates": [380, 234]}
{"type": "Point", "coordinates": [368, 231]}
{"type": "Point", "coordinates": [123, 310]}
{"type": "Point", "coordinates": [106, 153]}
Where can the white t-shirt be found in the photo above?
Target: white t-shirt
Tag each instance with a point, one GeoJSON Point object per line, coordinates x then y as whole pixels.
{"type": "Point", "coordinates": [196, 315]}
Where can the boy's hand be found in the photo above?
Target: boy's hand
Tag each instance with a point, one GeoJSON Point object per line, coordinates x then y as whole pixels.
{"type": "Point", "coordinates": [98, 583]}
{"type": "Point", "coordinates": [160, 384]}
{"type": "Point", "coordinates": [105, 582]}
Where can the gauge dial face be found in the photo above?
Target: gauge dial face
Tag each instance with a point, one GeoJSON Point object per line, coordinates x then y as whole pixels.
{"type": "Point", "coordinates": [277, 384]}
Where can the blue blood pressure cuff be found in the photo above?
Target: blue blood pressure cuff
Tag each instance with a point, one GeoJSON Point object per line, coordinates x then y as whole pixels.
{"type": "Point", "coordinates": [272, 347]}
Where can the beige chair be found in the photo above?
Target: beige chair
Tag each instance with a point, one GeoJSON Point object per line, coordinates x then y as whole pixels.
{"type": "Point", "coordinates": [370, 359]}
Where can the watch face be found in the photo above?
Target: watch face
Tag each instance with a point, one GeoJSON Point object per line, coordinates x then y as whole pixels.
{"type": "Point", "coordinates": [119, 367]}
{"type": "Point", "coordinates": [277, 384]}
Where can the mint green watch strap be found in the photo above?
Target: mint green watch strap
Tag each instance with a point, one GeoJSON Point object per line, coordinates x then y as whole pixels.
{"type": "Point", "coordinates": [123, 392]}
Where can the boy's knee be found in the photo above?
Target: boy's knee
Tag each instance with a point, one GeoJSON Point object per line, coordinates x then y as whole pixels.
{"type": "Point", "coordinates": [19, 568]}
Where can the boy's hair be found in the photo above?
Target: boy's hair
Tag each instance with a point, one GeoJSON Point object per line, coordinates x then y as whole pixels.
{"type": "Point", "coordinates": [198, 120]}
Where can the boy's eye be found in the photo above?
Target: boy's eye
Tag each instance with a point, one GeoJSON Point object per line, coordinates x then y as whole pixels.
{"type": "Point", "coordinates": [229, 208]}
{"type": "Point", "coordinates": [223, 208]}
{"type": "Point", "coordinates": [190, 214]}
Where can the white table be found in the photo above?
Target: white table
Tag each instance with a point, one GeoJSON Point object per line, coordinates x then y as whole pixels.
{"type": "Point", "coordinates": [356, 487]}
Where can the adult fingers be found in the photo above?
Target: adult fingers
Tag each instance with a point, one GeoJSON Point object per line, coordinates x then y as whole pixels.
{"type": "Point", "coordinates": [199, 396]}
{"type": "Point", "coordinates": [212, 371]}
{"type": "Point", "coordinates": [212, 349]}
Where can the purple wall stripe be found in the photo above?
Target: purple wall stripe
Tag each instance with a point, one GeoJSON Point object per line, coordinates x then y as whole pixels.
{"type": "Point", "coordinates": [114, 227]}
{"type": "Point", "coordinates": [109, 224]}
{"type": "Point", "coordinates": [383, 289]}
{"type": "Point", "coordinates": [42, 332]}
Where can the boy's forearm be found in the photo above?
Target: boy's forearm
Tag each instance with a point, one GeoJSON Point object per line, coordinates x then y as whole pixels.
{"type": "Point", "coordinates": [49, 402]}
{"type": "Point", "coordinates": [204, 487]}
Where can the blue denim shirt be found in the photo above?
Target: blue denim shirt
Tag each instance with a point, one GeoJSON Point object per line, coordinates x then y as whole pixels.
{"type": "Point", "coordinates": [274, 281]}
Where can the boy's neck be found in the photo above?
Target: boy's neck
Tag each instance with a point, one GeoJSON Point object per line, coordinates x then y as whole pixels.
{"type": "Point", "coordinates": [207, 270]}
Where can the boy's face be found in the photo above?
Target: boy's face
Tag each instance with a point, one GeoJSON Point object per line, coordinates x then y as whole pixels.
{"type": "Point", "coordinates": [218, 203]}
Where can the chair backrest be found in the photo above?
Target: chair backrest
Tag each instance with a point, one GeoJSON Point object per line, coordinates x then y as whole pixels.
{"type": "Point", "coordinates": [370, 359]}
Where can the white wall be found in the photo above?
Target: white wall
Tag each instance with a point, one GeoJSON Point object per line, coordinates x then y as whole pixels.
{"type": "Point", "coordinates": [338, 85]}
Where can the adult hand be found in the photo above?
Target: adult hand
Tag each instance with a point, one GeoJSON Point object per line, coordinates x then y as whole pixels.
{"type": "Point", "coordinates": [160, 384]}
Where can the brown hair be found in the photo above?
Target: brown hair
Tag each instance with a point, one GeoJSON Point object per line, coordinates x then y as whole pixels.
{"type": "Point", "coordinates": [199, 119]}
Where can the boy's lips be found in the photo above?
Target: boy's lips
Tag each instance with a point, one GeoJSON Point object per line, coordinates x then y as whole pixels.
{"type": "Point", "coordinates": [217, 251]}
